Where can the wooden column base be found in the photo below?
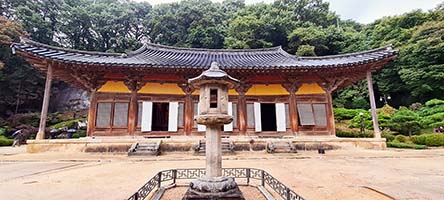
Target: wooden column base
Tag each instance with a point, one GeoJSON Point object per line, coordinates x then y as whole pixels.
{"type": "Point", "coordinates": [40, 136]}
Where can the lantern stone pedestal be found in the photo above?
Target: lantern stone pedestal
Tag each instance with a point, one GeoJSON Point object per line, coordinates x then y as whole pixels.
{"type": "Point", "coordinates": [213, 113]}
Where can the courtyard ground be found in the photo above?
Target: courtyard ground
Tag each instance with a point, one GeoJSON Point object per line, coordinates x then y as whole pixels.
{"type": "Point", "coordinates": [341, 174]}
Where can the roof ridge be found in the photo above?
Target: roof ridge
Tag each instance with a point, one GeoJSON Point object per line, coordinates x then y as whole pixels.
{"type": "Point", "coordinates": [387, 47]}
{"type": "Point", "coordinates": [167, 47]}
{"type": "Point", "coordinates": [29, 41]}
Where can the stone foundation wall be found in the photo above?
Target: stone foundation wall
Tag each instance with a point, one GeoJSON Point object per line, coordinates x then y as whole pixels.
{"type": "Point", "coordinates": [186, 144]}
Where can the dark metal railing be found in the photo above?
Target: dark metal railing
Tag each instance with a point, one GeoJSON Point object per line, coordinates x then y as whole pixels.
{"type": "Point", "coordinates": [242, 173]}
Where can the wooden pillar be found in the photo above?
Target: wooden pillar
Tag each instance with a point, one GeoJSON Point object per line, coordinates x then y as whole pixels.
{"type": "Point", "coordinates": [189, 117]}
{"type": "Point", "coordinates": [330, 115]}
{"type": "Point", "coordinates": [242, 112]}
{"type": "Point", "coordinates": [132, 115]}
{"type": "Point", "coordinates": [293, 113]}
{"type": "Point", "coordinates": [46, 96]}
{"type": "Point", "coordinates": [134, 83]}
{"type": "Point", "coordinates": [242, 88]}
{"type": "Point", "coordinates": [292, 86]}
{"type": "Point", "coordinates": [188, 106]}
{"type": "Point", "coordinates": [377, 133]}
{"type": "Point", "coordinates": [92, 113]}
{"type": "Point", "coordinates": [330, 84]}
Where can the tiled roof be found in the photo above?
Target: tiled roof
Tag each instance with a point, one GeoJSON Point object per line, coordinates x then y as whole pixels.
{"type": "Point", "coordinates": [154, 55]}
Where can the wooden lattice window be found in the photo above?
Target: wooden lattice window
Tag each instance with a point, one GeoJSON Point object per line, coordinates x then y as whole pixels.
{"type": "Point", "coordinates": [103, 114]}
{"type": "Point", "coordinates": [312, 114]}
{"type": "Point", "coordinates": [120, 118]}
{"type": "Point", "coordinates": [181, 114]}
{"type": "Point", "coordinates": [250, 115]}
{"type": "Point", "coordinates": [320, 114]}
{"type": "Point", "coordinates": [139, 114]}
{"type": "Point", "coordinates": [287, 116]}
{"type": "Point", "coordinates": [195, 105]}
{"type": "Point", "coordinates": [112, 114]}
{"type": "Point", "coordinates": [234, 115]}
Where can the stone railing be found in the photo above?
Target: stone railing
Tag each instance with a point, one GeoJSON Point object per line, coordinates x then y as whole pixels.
{"type": "Point", "coordinates": [239, 173]}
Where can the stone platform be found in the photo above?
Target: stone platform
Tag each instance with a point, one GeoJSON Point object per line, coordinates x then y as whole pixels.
{"type": "Point", "coordinates": [216, 188]}
{"type": "Point", "coordinates": [185, 143]}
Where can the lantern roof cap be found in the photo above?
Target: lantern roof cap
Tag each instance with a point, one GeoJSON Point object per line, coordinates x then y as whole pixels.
{"type": "Point", "coordinates": [214, 75]}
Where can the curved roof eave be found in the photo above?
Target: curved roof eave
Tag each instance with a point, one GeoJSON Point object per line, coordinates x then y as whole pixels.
{"type": "Point", "coordinates": [196, 58]}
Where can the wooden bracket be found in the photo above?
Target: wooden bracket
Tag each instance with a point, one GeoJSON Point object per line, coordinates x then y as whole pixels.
{"type": "Point", "coordinates": [134, 82]}
{"type": "Point", "coordinates": [292, 84]}
{"type": "Point", "coordinates": [243, 86]}
{"type": "Point", "coordinates": [89, 80]}
{"type": "Point", "coordinates": [330, 84]}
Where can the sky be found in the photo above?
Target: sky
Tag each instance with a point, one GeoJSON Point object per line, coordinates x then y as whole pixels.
{"type": "Point", "coordinates": [363, 11]}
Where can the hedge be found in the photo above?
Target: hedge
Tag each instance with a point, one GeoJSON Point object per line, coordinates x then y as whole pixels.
{"type": "Point", "coordinates": [401, 138]}
{"type": "Point", "coordinates": [80, 133]}
{"type": "Point", "coordinates": [68, 124]}
{"type": "Point", "coordinates": [431, 140]}
{"type": "Point", "coordinates": [5, 141]}
{"type": "Point", "coordinates": [389, 137]}
{"type": "Point", "coordinates": [344, 113]}
{"type": "Point", "coordinates": [351, 134]}
{"type": "Point", "coordinates": [405, 145]}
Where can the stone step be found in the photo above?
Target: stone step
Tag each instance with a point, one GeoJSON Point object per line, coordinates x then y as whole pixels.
{"type": "Point", "coordinates": [227, 147]}
{"type": "Point", "coordinates": [280, 147]}
{"type": "Point", "coordinates": [145, 149]}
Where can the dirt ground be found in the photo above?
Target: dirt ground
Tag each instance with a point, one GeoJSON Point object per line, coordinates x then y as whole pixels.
{"type": "Point", "coordinates": [352, 174]}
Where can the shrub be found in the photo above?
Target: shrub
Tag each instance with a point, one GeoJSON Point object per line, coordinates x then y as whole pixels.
{"type": "Point", "coordinates": [388, 136]}
{"type": "Point", "coordinates": [2, 131]}
{"type": "Point", "coordinates": [353, 134]}
{"type": "Point", "coordinates": [405, 121]}
{"type": "Point", "coordinates": [67, 124]}
{"type": "Point", "coordinates": [429, 139]}
{"type": "Point", "coordinates": [80, 133]}
{"type": "Point", "coordinates": [415, 106]}
{"type": "Point", "coordinates": [405, 145]}
{"type": "Point", "coordinates": [434, 120]}
{"type": "Point", "coordinates": [434, 140]}
{"type": "Point", "coordinates": [432, 107]}
{"type": "Point", "coordinates": [400, 138]}
{"type": "Point", "coordinates": [419, 139]}
{"type": "Point", "coordinates": [434, 102]}
{"type": "Point", "coordinates": [31, 119]}
{"type": "Point", "coordinates": [386, 110]}
{"type": "Point", "coordinates": [344, 113]}
{"type": "Point", "coordinates": [5, 141]}
{"type": "Point", "coordinates": [356, 121]}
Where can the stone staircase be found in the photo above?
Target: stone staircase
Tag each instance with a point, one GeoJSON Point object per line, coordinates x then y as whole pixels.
{"type": "Point", "coordinates": [280, 147]}
{"type": "Point", "coordinates": [227, 147]}
{"type": "Point", "coordinates": [145, 149]}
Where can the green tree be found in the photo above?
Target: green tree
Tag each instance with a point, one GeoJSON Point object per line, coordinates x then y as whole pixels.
{"type": "Point", "coordinates": [20, 83]}
{"type": "Point", "coordinates": [405, 121]}
{"type": "Point", "coordinates": [189, 23]}
{"type": "Point", "coordinates": [433, 113]}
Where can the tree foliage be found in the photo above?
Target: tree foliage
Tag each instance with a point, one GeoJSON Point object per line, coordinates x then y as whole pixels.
{"type": "Point", "coordinates": [405, 121]}
{"type": "Point", "coordinates": [301, 27]}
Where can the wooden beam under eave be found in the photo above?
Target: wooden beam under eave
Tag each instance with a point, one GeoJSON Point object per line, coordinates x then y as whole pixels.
{"type": "Point", "coordinates": [31, 59]}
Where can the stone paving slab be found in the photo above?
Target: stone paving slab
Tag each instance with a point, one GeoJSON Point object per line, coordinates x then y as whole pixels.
{"type": "Point", "coordinates": [405, 174]}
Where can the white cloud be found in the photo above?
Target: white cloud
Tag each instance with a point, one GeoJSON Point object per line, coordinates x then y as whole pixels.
{"type": "Point", "coordinates": [366, 11]}
{"type": "Point", "coordinates": [363, 11]}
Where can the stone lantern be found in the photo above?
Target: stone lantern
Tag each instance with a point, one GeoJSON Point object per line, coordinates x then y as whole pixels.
{"type": "Point", "coordinates": [213, 85]}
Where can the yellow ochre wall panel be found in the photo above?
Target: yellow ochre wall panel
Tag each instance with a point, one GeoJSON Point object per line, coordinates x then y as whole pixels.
{"type": "Point", "coordinates": [310, 88]}
{"type": "Point", "coordinates": [262, 89]}
{"type": "Point", "coordinates": [158, 88]}
{"type": "Point", "coordinates": [172, 88]}
{"type": "Point", "coordinates": [230, 92]}
{"type": "Point", "coordinates": [114, 86]}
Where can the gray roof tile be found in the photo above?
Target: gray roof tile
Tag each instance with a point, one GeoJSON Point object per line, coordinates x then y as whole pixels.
{"type": "Point", "coordinates": [154, 55]}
